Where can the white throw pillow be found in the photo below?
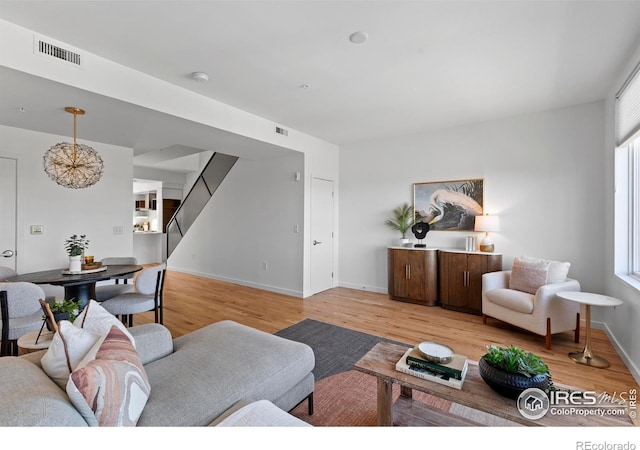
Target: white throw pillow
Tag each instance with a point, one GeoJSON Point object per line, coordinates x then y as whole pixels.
{"type": "Point", "coordinates": [527, 276]}
{"type": "Point", "coordinates": [558, 270]}
{"type": "Point", "coordinates": [98, 320]}
{"type": "Point", "coordinates": [67, 349]}
{"type": "Point", "coordinates": [74, 341]}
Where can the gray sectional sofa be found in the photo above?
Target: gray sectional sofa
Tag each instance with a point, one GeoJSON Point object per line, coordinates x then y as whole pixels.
{"type": "Point", "coordinates": [222, 374]}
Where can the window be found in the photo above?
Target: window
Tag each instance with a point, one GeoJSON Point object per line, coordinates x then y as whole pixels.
{"type": "Point", "coordinates": [634, 208]}
{"type": "Point", "coordinates": [627, 178]}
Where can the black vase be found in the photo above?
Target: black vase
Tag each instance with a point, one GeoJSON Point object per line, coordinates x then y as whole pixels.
{"type": "Point", "coordinates": [509, 384]}
{"type": "Point", "coordinates": [57, 317]}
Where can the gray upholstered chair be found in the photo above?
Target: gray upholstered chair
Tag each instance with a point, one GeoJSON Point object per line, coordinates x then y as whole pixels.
{"type": "Point", "coordinates": [116, 286]}
{"type": "Point", "coordinates": [21, 313]}
{"type": "Point", "coordinates": [147, 296]}
{"type": "Point", "coordinates": [7, 272]}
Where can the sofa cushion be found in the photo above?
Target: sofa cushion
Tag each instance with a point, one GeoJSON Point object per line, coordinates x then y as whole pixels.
{"type": "Point", "coordinates": [113, 388]}
{"type": "Point", "coordinates": [240, 363]}
{"type": "Point", "coordinates": [153, 341]}
{"type": "Point", "coordinates": [512, 299]}
{"type": "Point", "coordinates": [528, 276]}
{"type": "Point", "coordinates": [558, 270]}
{"type": "Point", "coordinates": [29, 398]}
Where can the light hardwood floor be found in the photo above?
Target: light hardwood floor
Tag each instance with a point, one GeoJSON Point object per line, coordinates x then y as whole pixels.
{"type": "Point", "coordinates": [191, 302]}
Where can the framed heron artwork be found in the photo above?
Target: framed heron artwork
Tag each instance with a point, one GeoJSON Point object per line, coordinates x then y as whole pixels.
{"type": "Point", "coordinates": [449, 205]}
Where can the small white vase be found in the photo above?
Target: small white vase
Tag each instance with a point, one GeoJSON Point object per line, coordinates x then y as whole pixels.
{"type": "Point", "coordinates": [404, 242]}
{"type": "Point", "coordinates": [75, 263]}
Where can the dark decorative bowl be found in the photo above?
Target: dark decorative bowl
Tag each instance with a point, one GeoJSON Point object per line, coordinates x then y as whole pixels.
{"type": "Point", "coordinates": [509, 384]}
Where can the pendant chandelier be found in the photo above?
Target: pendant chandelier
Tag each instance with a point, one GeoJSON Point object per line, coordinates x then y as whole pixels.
{"type": "Point", "coordinates": [74, 166]}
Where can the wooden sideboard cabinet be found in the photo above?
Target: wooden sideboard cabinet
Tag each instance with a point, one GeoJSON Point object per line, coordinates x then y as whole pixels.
{"type": "Point", "coordinates": [460, 278]}
{"type": "Point", "coordinates": [413, 275]}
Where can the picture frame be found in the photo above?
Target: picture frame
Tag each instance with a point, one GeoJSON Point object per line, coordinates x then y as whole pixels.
{"type": "Point", "coordinates": [449, 205]}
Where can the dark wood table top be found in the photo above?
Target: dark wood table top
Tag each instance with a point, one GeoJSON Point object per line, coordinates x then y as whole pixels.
{"type": "Point", "coordinates": [57, 277]}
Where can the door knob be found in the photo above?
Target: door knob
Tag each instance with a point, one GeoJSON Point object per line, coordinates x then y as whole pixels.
{"type": "Point", "coordinates": [8, 253]}
{"type": "Point", "coordinates": [316, 242]}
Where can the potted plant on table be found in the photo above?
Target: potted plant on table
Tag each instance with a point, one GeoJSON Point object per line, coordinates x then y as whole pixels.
{"type": "Point", "coordinates": [402, 220]}
{"type": "Point", "coordinates": [63, 310]}
{"type": "Point", "coordinates": [75, 247]}
{"type": "Point", "coordinates": [510, 370]}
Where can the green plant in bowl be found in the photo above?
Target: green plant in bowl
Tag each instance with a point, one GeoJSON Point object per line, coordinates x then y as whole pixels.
{"type": "Point", "coordinates": [510, 370]}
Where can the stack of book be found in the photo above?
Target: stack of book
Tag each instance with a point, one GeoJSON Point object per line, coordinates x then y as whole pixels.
{"type": "Point", "coordinates": [450, 374]}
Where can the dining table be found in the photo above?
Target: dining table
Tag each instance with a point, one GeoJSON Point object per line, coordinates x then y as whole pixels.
{"type": "Point", "coordinates": [80, 286]}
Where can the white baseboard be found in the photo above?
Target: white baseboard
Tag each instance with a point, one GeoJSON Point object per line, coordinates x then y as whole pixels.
{"type": "Point", "coordinates": [360, 287]}
{"type": "Point", "coordinates": [633, 368]}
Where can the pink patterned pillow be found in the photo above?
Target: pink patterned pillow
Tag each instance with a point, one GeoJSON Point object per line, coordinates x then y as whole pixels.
{"type": "Point", "coordinates": [113, 388]}
{"type": "Point", "coordinates": [527, 276]}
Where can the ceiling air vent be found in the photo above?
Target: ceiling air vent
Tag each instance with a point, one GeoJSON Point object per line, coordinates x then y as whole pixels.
{"type": "Point", "coordinates": [282, 131]}
{"type": "Point", "coordinates": [47, 48]}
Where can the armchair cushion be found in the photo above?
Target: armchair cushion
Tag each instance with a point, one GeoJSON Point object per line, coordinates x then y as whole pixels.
{"type": "Point", "coordinates": [514, 300]}
{"type": "Point", "coordinates": [528, 276]}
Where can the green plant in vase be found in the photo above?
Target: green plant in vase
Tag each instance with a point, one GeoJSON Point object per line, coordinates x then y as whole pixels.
{"type": "Point", "coordinates": [76, 245]}
{"type": "Point", "coordinates": [402, 220]}
{"type": "Point", "coordinates": [63, 310]}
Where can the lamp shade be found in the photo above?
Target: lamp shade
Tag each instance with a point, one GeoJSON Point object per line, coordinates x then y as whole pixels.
{"type": "Point", "coordinates": [487, 223]}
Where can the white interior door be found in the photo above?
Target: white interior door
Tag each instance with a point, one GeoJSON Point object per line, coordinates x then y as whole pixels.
{"type": "Point", "coordinates": [321, 235]}
{"type": "Point", "coordinates": [8, 190]}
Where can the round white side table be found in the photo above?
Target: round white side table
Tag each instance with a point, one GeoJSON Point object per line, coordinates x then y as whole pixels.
{"type": "Point", "coordinates": [27, 342]}
{"type": "Point", "coordinates": [588, 299]}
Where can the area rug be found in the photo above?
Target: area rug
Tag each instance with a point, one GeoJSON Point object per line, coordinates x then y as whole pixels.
{"type": "Point", "coordinates": [344, 397]}
{"type": "Point", "coordinates": [336, 348]}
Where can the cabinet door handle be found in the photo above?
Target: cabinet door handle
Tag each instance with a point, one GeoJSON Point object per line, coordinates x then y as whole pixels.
{"type": "Point", "coordinates": [407, 272]}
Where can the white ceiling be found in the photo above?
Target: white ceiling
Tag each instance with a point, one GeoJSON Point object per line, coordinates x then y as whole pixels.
{"type": "Point", "coordinates": [426, 64]}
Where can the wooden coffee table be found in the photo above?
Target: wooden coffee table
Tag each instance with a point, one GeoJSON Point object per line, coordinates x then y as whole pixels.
{"type": "Point", "coordinates": [381, 360]}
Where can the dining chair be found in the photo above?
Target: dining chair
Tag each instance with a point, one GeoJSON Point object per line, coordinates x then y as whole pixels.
{"type": "Point", "coordinates": [147, 296]}
{"type": "Point", "coordinates": [114, 287]}
{"type": "Point", "coordinates": [7, 272]}
{"type": "Point", "coordinates": [21, 313]}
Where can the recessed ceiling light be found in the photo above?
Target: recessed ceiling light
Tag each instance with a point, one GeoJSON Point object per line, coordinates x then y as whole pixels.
{"type": "Point", "coordinates": [200, 77]}
{"type": "Point", "coordinates": [358, 37]}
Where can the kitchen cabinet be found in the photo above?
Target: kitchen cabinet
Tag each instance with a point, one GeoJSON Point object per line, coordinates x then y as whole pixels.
{"type": "Point", "coordinates": [460, 278]}
{"type": "Point", "coordinates": [413, 275]}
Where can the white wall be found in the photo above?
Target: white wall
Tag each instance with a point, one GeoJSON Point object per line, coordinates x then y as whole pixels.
{"type": "Point", "coordinates": [93, 211]}
{"type": "Point", "coordinates": [249, 222]}
{"type": "Point", "coordinates": [542, 176]}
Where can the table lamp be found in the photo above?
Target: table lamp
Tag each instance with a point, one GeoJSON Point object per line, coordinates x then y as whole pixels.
{"type": "Point", "coordinates": [487, 223]}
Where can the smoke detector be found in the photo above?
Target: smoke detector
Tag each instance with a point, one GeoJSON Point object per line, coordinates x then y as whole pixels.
{"type": "Point", "coordinates": [358, 37]}
{"type": "Point", "coordinates": [200, 77]}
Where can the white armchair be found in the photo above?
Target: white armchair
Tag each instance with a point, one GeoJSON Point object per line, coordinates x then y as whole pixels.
{"type": "Point", "coordinates": [542, 313]}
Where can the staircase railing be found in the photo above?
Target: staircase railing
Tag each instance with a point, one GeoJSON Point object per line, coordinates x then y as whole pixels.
{"type": "Point", "coordinates": [194, 202]}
